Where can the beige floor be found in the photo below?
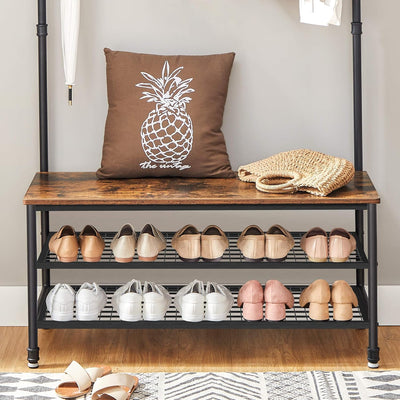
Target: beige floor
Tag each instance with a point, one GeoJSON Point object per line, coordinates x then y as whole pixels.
{"type": "Point", "coordinates": [200, 350]}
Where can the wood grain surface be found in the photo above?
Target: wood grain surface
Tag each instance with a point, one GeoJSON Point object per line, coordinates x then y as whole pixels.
{"type": "Point", "coordinates": [200, 350]}
{"type": "Point", "coordinates": [83, 188]}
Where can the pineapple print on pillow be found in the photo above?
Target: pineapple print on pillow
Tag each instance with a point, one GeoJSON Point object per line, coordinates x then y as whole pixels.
{"type": "Point", "coordinates": [167, 132]}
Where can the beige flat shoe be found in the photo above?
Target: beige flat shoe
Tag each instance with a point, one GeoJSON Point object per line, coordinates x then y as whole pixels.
{"type": "Point", "coordinates": [278, 243]}
{"type": "Point", "coordinates": [315, 245]}
{"type": "Point", "coordinates": [251, 243]}
{"type": "Point", "coordinates": [341, 244]}
{"type": "Point", "coordinates": [65, 244]}
{"type": "Point", "coordinates": [213, 243]}
{"type": "Point", "coordinates": [343, 299]}
{"type": "Point", "coordinates": [124, 243]}
{"type": "Point", "coordinates": [186, 242]}
{"type": "Point", "coordinates": [151, 241]}
{"type": "Point", "coordinates": [317, 297]}
{"type": "Point", "coordinates": [91, 244]}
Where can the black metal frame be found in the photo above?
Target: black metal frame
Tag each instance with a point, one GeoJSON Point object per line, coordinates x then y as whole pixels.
{"type": "Point", "coordinates": [368, 304]}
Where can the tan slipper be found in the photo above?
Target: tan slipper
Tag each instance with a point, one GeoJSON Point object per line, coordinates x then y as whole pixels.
{"type": "Point", "coordinates": [343, 299]}
{"type": "Point", "coordinates": [65, 244]}
{"type": "Point", "coordinates": [78, 380]}
{"type": "Point", "coordinates": [115, 387]}
{"type": "Point", "coordinates": [251, 243]}
{"type": "Point", "coordinates": [213, 243]}
{"type": "Point", "coordinates": [186, 242]}
{"type": "Point", "coordinates": [278, 243]}
{"type": "Point", "coordinates": [317, 297]}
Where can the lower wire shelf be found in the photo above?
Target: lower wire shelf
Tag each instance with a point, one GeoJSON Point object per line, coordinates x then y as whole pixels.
{"type": "Point", "coordinates": [296, 318]}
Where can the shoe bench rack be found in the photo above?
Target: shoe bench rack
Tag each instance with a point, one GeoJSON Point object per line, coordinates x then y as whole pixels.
{"type": "Point", "coordinates": [81, 191]}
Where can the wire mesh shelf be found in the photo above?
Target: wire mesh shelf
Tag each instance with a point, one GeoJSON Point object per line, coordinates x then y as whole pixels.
{"type": "Point", "coordinates": [231, 259]}
{"type": "Point", "coordinates": [297, 317]}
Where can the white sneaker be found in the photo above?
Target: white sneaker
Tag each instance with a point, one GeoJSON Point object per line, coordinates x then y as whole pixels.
{"type": "Point", "coordinates": [90, 300]}
{"type": "Point", "coordinates": [127, 300]}
{"type": "Point", "coordinates": [219, 301]}
{"type": "Point", "coordinates": [60, 302]}
{"type": "Point", "coordinates": [189, 301]}
{"type": "Point", "coordinates": [156, 301]}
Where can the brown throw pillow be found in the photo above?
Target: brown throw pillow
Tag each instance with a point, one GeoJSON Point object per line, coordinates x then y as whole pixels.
{"type": "Point", "coordinates": [165, 116]}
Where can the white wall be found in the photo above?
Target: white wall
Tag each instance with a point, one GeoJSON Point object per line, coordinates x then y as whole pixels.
{"type": "Point", "coordinates": [290, 87]}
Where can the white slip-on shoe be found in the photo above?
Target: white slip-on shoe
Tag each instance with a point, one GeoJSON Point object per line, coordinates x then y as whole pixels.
{"type": "Point", "coordinates": [60, 302]}
{"type": "Point", "coordinates": [127, 301]}
{"type": "Point", "coordinates": [90, 300]}
{"type": "Point", "coordinates": [219, 301]}
{"type": "Point", "coordinates": [189, 301]}
{"type": "Point", "coordinates": [156, 301]}
{"type": "Point", "coordinates": [124, 243]}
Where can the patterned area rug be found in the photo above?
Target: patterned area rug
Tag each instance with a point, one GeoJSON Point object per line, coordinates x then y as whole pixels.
{"type": "Point", "coordinates": [360, 385]}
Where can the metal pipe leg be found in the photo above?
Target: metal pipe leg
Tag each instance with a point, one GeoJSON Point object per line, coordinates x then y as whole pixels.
{"type": "Point", "coordinates": [33, 349]}
{"type": "Point", "coordinates": [360, 273]}
{"type": "Point", "coordinates": [373, 349]}
{"type": "Point", "coordinates": [44, 222]}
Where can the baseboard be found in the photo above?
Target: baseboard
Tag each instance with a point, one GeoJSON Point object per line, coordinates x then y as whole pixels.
{"type": "Point", "coordinates": [14, 301]}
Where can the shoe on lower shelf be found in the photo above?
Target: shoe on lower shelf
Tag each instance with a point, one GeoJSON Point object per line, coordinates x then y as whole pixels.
{"type": "Point", "coordinates": [90, 301]}
{"type": "Point", "coordinates": [277, 298]}
{"type": "Point", "coordinates": [343, 299]}
{"type": "Point", "coordinates": [65, 244]}
{"type": "Point", "coordinates": [219, 301]}
{"type": "Point", "coordinates": [124, 243]}
{"type": "Point", "coordinates": [156, 301]}
{"type": "Point", "coordinates": [60, 302]}
{"type": "Point", "coordinates": [189, 301]}
{"type": "Point", "coordinates": [127, 301]}
{"type": "Point", "coordinates": [251, 298]}
{"type": "Point", "coordinates": [316, 297]}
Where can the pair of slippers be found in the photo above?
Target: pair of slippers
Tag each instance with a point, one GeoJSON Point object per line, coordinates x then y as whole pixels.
{"type": "Point", "coordinates": [79, 381]}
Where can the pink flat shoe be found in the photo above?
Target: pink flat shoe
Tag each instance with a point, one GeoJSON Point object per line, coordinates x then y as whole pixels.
{"type": "Point", "coordinates": [277, 297]}
{"type": "Point", "coordinates": [251, 297]}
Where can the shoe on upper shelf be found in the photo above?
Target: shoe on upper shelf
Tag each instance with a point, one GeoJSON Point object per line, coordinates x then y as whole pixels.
{"type": "Point", "coordinates": [277, 298]}
{"type": "Point", "coordinates": [343, 299]}
{"type": "Point", "coordinates": [127, 301]}
{"type": "Point", "coordinates": [186, 242]}
{"type": "Point", "coordinates": [316, 297]}
{"type": "Point", "coordinates": [90, 300]}
{"type": "Point", "coordinates": [156, 301]}
{"type": "Point", "coordinates": [65, 244]}
{"type": "Point", "coordinates": [124, 243]}
{"type": "Point", "coordinates": [91, 244]}
{"type": "Point", "coordinates": [278, 243]}
{"type": "Point", "coordinates": [213, 243]}
{"type": "Point", "coordinates": [189, 301]}
{"type": "Point", "coordinates": [151, 241]}
{"type": "Point", "coordinates": [251, 243]}
{"type": "Point", "coordinates": [60, 302]}
{"type": "Point", "coordinates": [341, 245]}
{"type": "Point", "coordinates": [251, 298]}
{"type": "Point", "coordinates": [315, 244]}
{"type": "Point", "coordinates": [219, 301]}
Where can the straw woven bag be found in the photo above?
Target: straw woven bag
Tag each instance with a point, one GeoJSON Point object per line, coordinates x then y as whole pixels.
{"type": "Point", "coordinates": [298, 170]}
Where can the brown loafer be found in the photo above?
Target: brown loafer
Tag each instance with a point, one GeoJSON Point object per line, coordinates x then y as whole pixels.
{"type": "Point", "coordinates": [186, 242]}
{"type": "Point", "coordinates": [151, 241]}
{"type": "Point", "coordinates": [317, 297]}
{"type": "Point", "coordinates": [65, 244]}
{"type": "Point", "coordinates": [343, 299]}
{"type": "Point", "coordinates": [213, 243]}
{"type": "Point", "coordinates": [278, 243]}
{"type": "Point", "coordinates": [315, 245]}
{"type": "Point", "coordinates": [251, 243]}
{"type": "Point", "coordinates": [91, 244]}
{"type": "Point", "coordinates": [341, 244]}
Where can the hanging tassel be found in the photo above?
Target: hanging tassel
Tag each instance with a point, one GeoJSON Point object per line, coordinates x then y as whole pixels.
{"type": "Point", "coordinates": [70, 95]}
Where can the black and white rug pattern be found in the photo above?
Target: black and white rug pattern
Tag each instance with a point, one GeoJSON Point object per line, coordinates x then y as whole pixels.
{"type": "Point", "coordinates": [354, 385]}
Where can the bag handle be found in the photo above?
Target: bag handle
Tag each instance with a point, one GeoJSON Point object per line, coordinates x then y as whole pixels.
{"type": "Point", "coordinates": [263, 183]}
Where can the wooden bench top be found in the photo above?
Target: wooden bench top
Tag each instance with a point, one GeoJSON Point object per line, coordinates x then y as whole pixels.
{"type": "Point", "coordinates": [83, 188]}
